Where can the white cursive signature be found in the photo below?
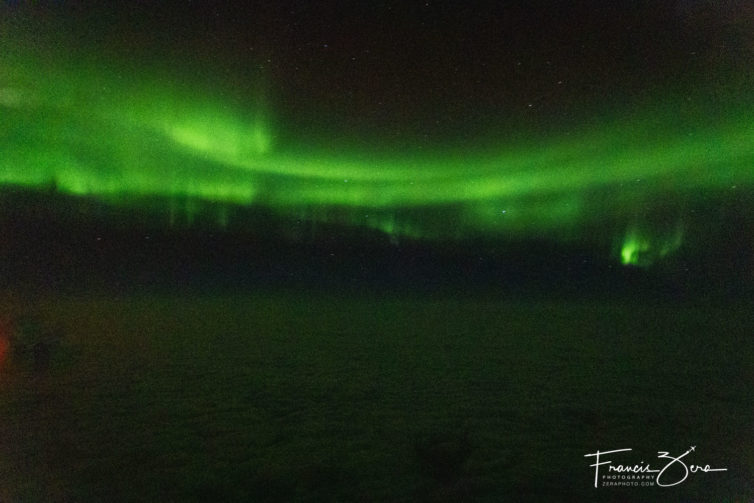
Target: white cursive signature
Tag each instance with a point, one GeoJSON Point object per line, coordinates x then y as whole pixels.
{"type": "Point", "coordinates": [643, 467]}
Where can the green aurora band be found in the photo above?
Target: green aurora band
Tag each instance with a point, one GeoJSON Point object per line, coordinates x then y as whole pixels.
{"type": "Point", "coordinates": [88, 131]}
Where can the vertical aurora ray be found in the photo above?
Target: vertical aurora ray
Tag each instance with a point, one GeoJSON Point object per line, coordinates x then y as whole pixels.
{"type": "Point", "coordinates": [642, 246]}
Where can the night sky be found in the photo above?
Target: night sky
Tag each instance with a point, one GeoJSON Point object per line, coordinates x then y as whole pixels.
{"type": "Point", "coordinates": [385, 250]}
{"type": "Point", "coordinates": [612, 125]}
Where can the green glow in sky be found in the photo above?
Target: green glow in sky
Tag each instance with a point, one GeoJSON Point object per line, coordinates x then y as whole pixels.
{"type": "Point", "coordinates": [642, 247]}
{"type": "Point", "coordinates": [90, 132]}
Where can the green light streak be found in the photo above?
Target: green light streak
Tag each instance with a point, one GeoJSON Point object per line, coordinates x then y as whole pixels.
{"type": "Point", "coordinates": [642, 248]}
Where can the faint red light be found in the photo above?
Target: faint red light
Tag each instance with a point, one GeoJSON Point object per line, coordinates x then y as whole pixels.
{"type": "Point", "coordinates": [4, 342]}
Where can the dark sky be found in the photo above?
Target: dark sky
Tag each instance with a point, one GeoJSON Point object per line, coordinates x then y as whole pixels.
{"type": "Point", "coordinates": [426, 68]}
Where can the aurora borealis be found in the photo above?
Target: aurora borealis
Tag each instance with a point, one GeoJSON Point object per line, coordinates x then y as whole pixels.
{"type": "Point", "coordinates": [93, 123]}
{"type": "Point", "coordinates": [375, 250]}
